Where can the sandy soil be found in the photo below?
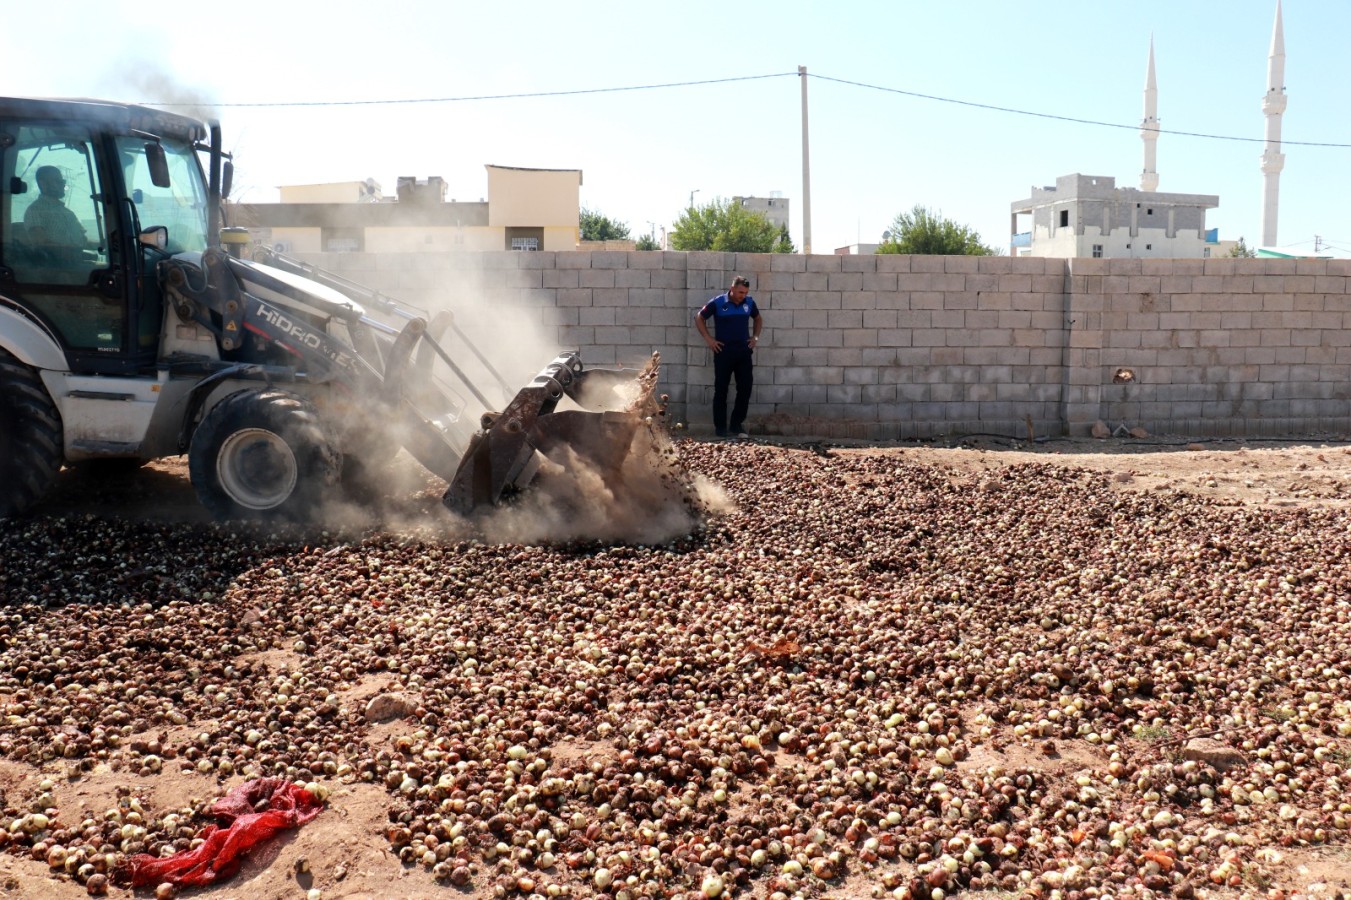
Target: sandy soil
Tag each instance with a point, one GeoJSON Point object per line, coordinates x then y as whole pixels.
{"type": "Point", "coordinates": [345, 848]}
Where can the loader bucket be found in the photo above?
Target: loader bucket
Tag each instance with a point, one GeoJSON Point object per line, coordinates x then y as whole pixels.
{"type": "Point", "coordinates": [507, 453]}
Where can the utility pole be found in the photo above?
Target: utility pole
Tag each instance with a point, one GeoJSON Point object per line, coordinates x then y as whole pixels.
{"type": "Point", "coordinates": [806, 170]}
{"type": "Point", "coordinates": [692, 193]}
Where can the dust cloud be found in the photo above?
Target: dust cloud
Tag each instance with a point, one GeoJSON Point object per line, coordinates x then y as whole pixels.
{"type": "Point", "coordinates": [500, 338]}
{"type": "Point", "coordinates": [651, 500]}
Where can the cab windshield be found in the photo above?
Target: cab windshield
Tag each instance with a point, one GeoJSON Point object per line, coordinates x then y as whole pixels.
{"type": "Point", "coordinates": [182, 206]}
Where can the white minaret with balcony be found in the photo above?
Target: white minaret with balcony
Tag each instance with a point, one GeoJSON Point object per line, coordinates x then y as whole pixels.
{"type": "Point", "coordinates": [1273, 105]}
{"type": "Point", "coordinates": [1149, 127]}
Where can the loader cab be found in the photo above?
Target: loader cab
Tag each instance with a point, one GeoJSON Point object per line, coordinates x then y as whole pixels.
{"type": "Point", "coordinates": [92, 197]}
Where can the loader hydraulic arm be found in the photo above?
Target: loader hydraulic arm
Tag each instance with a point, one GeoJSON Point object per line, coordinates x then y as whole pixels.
{"type": "Point", "coordinates": [201, 287]}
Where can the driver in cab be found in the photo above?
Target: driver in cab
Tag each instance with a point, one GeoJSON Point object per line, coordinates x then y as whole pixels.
{"type": "Point", "coordinates": [47, 222]}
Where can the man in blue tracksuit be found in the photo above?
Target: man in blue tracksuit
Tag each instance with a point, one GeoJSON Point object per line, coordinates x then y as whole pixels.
{"type": "Point", "coordinates": [737, 323]}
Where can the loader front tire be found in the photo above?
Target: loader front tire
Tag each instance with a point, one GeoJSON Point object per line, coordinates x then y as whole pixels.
{"type": "Point", "coordinates": [31, 445]}
{"type": "Point", "coordinates": [263, 455]}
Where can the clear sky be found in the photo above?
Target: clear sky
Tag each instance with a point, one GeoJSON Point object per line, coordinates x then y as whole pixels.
{"type": "Point", "coordinates": [875, 151]}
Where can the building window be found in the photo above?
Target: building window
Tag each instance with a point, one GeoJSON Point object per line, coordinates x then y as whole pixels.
{"type": "Point", "coordinates": [1064, 218]}
{"type": "Point", "coordinates": [519, 238]}
{"type": "Point", "coordinates": [1149, 246]}
{"type": "Point", "coordinates": [343, 240]}
{"type": "Point", "coordinates": [1149, 212]}
{"type": "Point", "coordinates": [1205, 252]}
{"type": "Point", "coordinates": [1097, 251]}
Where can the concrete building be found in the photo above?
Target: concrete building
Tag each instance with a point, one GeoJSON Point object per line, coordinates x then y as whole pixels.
{"type": "Point", "coordinates": [367, 191]}
{"type": "Point", "coordinates": [774, 207]}
{"type": "Point", "coordinates": [525, 209]}
{"type": "Point", "coordinates": [1089, 216]}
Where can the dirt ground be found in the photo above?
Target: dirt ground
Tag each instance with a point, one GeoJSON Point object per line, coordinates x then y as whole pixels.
{"type": "Point", "coordinates": [1291, 472]}
{"type": "Point", "coordinates": [344, 847]}
{"type": "Point", "coordinates": [1296, 472]}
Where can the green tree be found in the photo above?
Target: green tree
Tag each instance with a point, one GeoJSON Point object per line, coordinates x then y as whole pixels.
{"type": "Point", "coordinates": [647, 242]}
{"type": "Point", "coordinates": [721, 225]}
{"type": "Point", "coordinates": [925, 231]}
{"type": "Point", "coordinates": [785, 242]}
{"type": "Point", "coordinates": [1242, 251]}
{"type": "Point", "coordinates": [596, 227]}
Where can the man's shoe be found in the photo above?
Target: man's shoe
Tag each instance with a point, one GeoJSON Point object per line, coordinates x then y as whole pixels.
{"type": "Point", "coordinates": [742, 436]}
{"type": "Point", "coordinates": [721, 434]}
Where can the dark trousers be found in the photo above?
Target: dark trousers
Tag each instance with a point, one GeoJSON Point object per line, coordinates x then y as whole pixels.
{"type": "Point", "coordinates": [733, 361]}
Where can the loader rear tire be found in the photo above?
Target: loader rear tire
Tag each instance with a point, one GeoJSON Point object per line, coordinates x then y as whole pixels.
{"type": "Point", "coordinates": [263, 455]}
{"type": "Point", "coordinates": [31, 444]}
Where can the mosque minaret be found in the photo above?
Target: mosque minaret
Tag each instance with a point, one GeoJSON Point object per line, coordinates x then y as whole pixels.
{"type": "Point", "coordinates": [1273, 106]}
{"type": "Point", "coordinates": [1149, 127]}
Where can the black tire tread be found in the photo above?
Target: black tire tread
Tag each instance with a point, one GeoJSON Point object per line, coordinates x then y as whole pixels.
{"type": "Point", "coordinates": [285, 414]}
{"type": "Point", "coordinates": [32, 426]}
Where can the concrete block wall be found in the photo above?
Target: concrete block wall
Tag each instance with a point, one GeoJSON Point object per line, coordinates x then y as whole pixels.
{"type": "Point", "coordinates": [896, 347]}
{"type": "Point", "coordinates": [1215, 347]}
{"type": "Point", "coordinates": [886, 347]}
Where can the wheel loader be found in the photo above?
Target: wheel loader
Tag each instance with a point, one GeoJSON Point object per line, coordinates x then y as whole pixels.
{"type": "Point", "coordinates": [133, 326]}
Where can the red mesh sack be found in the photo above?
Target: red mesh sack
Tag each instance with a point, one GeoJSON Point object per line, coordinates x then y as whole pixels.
{"type": "Point", "coordinates": [250, 814]}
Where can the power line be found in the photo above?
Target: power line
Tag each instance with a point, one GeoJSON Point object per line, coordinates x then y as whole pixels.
{"type": "Point", "coordinates": [1040, 115]}
{"type": "Point", "coordinates": [470, 98]}
{"type": "Point", "coordinates": [1317, 238]}
{"type": "Point", "coordinates": [682, 84]}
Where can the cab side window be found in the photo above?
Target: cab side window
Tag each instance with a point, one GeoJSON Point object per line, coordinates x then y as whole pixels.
{"type": "Point", "coordinates": [54, 230]}
{"type": "Point", "coordinates": [57, 224]}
